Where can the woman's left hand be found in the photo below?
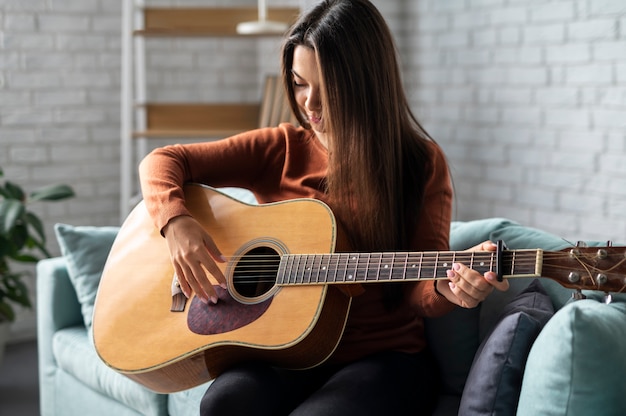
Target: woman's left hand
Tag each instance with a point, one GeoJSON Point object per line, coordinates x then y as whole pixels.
{"type": "Point", "coordinates": [466, 287]}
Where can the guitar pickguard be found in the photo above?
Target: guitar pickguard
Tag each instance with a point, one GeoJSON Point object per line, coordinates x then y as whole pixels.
{"type": "Point", "coordinates": [226, 315]}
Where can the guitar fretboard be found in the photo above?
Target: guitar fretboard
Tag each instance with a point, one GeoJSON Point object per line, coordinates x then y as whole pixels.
{"type": "Point", "coordinates": [302, 269]}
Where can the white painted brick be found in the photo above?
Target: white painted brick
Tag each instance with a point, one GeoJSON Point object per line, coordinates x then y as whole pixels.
{"type": "Point", "coordinates": [604, 7]}
{"type": "Point", "coordinates": [535, 197]}
{"type": "Point", "coordinates": [524, 55]}
{"type": "Point", "coordinates": [27, 116]}
{"type": "Point", "coordinates": [575, 202]}
{"type": "Point", "coordinates": [485, 3]}
{"type": "Point", "coordinates": [611, 96]}
{"type": "Point", "coordinates": [437, 23]}
{"type": "Point", "coordinates": [19, 22]}
{"type": "Point", "coordinates": [471, 57]}
{"type": "Point", "coordinates": [28, 41]}
{"type": "Point", "coordinates": [464, 94]}
{"type": "Point", "coordinates": [515, 137]}
{"type": "Point", "coordinates": [571, 53]}
{"type": "Point", "coordinates": [521, 115]}
{"type": "Point", "coordinates": [510, 35]}
{"type": "Point", "coordinates": [610, 118]}
{"type": "Point", "coordinates": [508, 16]}
{"type": "Point", "coordinates": [612, 51]}
{"type": "Point", "coordinates": [28, 155]}
{"type": "Point", "coordinates": [509, 95]}
{"type": "Point", "coordinates": [553, 11]}
{"type": "Point", "coordinates": [482, 114]}
{"type": "Point", "coordinates": [616, 142]}
{"type": "Point", "coordinates": [582, 141]}
{"type": "Point", "coordinates": [469, 20]}
{"type": "Point", "coordinates": [448, 6]}
{"type": "Point", "coordinates": [592, 30]}
{"type": "Point", "coordinates": [545, 34]}
{"type": "Point", "coordinates": [573, 160]}
{"type": "Point", "coordinates": [63, 23]}
{"type": "Point", "coordinates": [454, 39]}
{"type": "Point", "coordinates": [594, 74]}
{"type": "Point", "coordinates": [485, 37]}
{"type": "Point", "coordinates": [557, 95]}
{"type": "Point", "coordinates": [75, 5]}
{"type": "Point", "coordinates": [530, 157]}
{"type": "Point", "coordinates": [576, 118]}
{"type": "Point", "coordinates": [613, 163]}
{"type": "Point", "coordinates": [60, 134]}
{"type": "Point", "coordinates": [81, 42]}
{"type": "Point", "coordinates": [527, 76]}
{"type": "Point", "coordinates": [56, 98]}
{"type": "Point", "coordinates": [494, 192]}
{"type": "Point", "coordinates": [620, 71]}
{"type": "Point", "coordinates": [486, 76]}
{"type": "Point", "coordinates": [80, 116]}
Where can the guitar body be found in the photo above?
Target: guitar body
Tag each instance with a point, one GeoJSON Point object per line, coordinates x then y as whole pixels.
{"type": "Point", "coordinates": [136, 334]}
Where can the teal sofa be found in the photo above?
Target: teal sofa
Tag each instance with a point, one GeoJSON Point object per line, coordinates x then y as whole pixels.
{"type": "Point", "coordinates": [558, 358]}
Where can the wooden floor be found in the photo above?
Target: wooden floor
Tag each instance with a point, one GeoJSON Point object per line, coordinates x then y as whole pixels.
{"type": "Point", "coordinates": [19, 386]}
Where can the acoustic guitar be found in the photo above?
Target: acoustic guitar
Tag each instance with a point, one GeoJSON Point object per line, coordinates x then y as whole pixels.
{"type": "Point", "coordinates": [283, 304]}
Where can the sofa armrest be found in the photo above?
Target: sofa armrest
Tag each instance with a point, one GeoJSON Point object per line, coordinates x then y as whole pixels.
{"type": "Point", "coordinates": [57, 303]}
{"type": "Point", "coordinates": [57, 308]}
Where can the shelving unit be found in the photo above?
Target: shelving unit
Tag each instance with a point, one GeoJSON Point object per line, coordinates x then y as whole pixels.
{"type": "Point", "coordinates": [142, 120]}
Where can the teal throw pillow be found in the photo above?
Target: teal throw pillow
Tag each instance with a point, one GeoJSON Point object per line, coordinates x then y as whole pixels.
{"type": "Point", "coordinates": [495, 379]}
{"type": "Point", "coordinates": [577, 365]}
{"type": "Point", "coordinates": [467, 234]}
{"type": "Point", "coordinates": [85, 249]}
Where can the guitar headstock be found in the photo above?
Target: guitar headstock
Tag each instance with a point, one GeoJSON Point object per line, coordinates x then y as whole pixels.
{"type": "Point", "coordinates": [590, 268]}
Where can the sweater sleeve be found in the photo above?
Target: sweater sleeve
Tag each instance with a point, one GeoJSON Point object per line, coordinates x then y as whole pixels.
{"type": "Point", "coordinates": [236, 161]}
{"type": "Point", "coordinates": [433, 233]}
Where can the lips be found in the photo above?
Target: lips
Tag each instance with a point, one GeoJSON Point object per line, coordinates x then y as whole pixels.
{"type": "Point", "coordinates": [313, 119]}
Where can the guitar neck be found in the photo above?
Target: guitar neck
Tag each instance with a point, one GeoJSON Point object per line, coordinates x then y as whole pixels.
{"type": "Point", "coordinates": [342, 268]}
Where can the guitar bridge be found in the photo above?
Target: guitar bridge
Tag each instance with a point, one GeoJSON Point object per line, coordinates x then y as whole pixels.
{"type": "Point", "coordinates": [179, 300]}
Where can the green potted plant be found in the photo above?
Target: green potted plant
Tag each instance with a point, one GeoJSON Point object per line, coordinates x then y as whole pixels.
{"type": "Point", "coordinates": [22, 239]}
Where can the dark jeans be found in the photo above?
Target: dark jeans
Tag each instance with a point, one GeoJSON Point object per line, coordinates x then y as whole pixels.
{"type": "Point", "coordinates": [389, 383]}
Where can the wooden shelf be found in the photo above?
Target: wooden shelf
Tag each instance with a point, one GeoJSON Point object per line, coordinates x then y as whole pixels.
{"type": "Point", "coordinates": [220, 21]}
{"type": "Point", "coordinates": [199, 120]}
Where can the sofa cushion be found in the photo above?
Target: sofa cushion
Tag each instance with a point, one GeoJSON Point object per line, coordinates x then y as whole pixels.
{"type": "Point", "coordinates": [467, 234]}
{"type": "Point", "coordinates": [453, 338]}
{"type": "Point", "coordinates": [577, 365]}
{"type": "Point", "coordinates": [85, 250]}
{"type": "Point", "coordinates": [76, 356]}
{"type": "Point", "coordinates": [495, 379]}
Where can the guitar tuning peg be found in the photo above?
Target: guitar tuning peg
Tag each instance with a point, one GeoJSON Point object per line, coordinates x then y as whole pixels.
{"type": "Point", "coordinates": [578, 295]}
{"type": "Point", "coordinates": [609, 243]}
{"type": "Point", "coordinates": [581, 244]}
{"type": "Point", "coordinates": [608, 298]}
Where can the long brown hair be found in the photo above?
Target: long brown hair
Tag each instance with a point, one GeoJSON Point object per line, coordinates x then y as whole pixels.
{"type": "Point", "coordinates": [377, 149]}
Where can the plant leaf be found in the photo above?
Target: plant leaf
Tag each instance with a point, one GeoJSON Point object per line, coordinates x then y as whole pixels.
{"type": "Point", "coordinates": [52, 193]}
{"type": "Point", "coordinates": [14, 191]}
{"type": "Point", "coordinates": [10, 211]}
{"type": "Point", "coordinates": [6, 311]}
{"type": "Point", "coordinates": [34, 221]}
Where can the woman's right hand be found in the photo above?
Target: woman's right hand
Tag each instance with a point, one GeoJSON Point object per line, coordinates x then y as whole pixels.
{"type": "Point", "coordinates": [193, 253]}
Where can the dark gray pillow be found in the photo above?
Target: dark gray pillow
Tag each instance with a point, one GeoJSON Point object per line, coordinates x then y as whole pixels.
{"type": "Point", "coordinates": [495, 379]}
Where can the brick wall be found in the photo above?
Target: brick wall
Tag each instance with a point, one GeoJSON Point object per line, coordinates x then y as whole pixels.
{"type": "Point", "coordinates": [528, 98]}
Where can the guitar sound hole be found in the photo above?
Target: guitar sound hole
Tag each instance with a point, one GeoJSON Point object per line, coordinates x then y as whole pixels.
{"type": "Point", "coordinates": [255, 274]}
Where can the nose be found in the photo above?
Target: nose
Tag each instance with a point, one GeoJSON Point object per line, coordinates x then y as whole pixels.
{"type": "Point", "coordinates": [313, 101]}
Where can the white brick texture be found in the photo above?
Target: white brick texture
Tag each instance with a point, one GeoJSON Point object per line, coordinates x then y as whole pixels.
{"type": "Point", "coordinates": [528, 98]}
{"type": "Point", "coordinates": [555, 71]}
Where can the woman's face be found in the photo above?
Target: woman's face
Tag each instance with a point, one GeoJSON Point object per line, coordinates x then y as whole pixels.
{"type": "Point", "coordinates": [306, 82]}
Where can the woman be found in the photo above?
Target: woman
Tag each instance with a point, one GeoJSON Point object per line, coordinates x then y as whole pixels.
{"type": "Point", "coordinates": [360, 150]}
